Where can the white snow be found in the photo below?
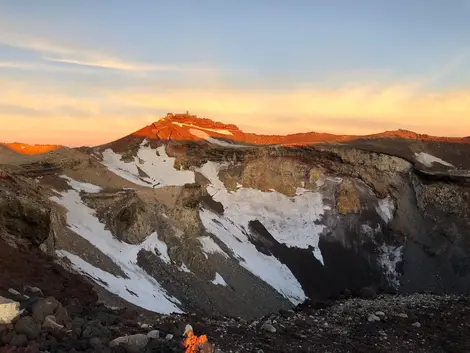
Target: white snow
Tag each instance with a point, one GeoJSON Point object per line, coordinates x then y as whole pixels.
{"type": "Point", "coordinates": [218, 131]}
{"type": "Point", "coordinates": [163, 250]}
{"type": "Point", "coordinates": [218, 280]}
{"type": "Point", "coordinates": [386, 208]}
{"type": "Point", "coordinates": [159, 168]}
{"type": "Point", "coordinates": [203, 136]}
{"type": "Point", "coordinates": [81, 186]}
{"type": "Point", "coordinates": [428, 160]}
{"type": "Point", "coordinates": [184, 268]}
{"type": "Point", "coordinates": [389, 258]}
{"type": "Point", "coordinates": [267, 268]}
{"type": "Point", "coordinates": [290, 220]}
{"type": "Point", "coordinates": [82, 220]}
{"type": "Point", "coordinates": [209, 246]}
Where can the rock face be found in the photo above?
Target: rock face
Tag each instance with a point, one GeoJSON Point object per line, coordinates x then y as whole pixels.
{"type": "Point", "coordinates": [240, 228]}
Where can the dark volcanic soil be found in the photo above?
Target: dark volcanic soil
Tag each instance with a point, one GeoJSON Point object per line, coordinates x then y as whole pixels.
{"type": "Point", "coordinates": [22, 267]}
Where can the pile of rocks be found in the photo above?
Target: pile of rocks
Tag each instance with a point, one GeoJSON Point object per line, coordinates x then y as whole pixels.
{"type": "Point", "coordinates": [416, 323]}
{"type": "Point", "coordinates": [34, 323]}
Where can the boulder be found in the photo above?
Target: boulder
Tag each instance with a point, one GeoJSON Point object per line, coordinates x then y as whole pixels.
{"type": "Point", "coordinates": [267, 327]}
{"type": "Point", "coordinates": [52, 326]}
{"type": "Point", "coordinates": [27, 326]}
{"type": "Point", "coordinates": [19, 340]}
{"type": "Point", "coordinates": [9, 309]}
{"type": "Point", "coordinates": [43, 308]}
{"type": "Point", "coordinates": [132, 344]}
{"type": "Point", "coordinates": [154, 334]}
{"type": "Point", "coordinates": [62, 316]}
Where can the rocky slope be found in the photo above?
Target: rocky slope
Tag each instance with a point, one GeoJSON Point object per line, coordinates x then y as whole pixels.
{"type": "Point", "coordinates": [192, 216]}
{"type": "Point", "coordinates": [416, 323]}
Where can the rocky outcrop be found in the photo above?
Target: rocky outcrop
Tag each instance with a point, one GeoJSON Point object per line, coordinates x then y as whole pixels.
{"type": "Point", "coordinates": [26, 215]}
{"type": "Point", "coordinates": [128, 217]}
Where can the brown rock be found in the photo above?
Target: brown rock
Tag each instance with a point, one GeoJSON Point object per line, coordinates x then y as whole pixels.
{"type": "Point", "coordinates": [62, 316]}
{"type": "Point", "coordinates": [347, 200]}
{"type": "Point", "coordinates": [44, 308]}
{"type": "Point", "coordinates": [19, 340]}
{"type": "Point", "coordinates": [27, 326]}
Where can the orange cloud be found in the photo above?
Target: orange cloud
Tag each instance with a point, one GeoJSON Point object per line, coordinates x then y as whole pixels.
{"type": "Point", "coordinates": [56, 115]}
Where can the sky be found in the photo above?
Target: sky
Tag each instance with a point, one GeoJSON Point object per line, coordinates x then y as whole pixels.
{"type": "Point", "coordinates": [85, 72]}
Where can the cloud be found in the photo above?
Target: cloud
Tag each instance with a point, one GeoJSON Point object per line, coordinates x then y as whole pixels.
{"type": "Point", "coordinates": [76, 115]}
{"type": "Point", "coordinates": [52, 51]}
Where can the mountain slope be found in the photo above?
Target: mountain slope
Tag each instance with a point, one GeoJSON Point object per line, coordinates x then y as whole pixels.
{"type": "Point", "coordinates": [189, 215]}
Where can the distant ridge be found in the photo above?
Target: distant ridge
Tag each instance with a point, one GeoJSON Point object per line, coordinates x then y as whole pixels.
{"type": "Point", "coordinates": [184, 126]}
{"type": "Point", "coordinates": [188, 127]}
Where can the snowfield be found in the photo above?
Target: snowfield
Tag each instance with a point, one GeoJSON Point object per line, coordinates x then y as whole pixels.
{"type": "Point", "coordinates": [428, 160]}
{"type": "Point", "coordinates": [139, 288]}
{"type": "Point", "coordinates": [154, 162]}
{"type": "Point", "coordinates": [217, 131]}
{"type": "Point", "coordinates": [290, 220]}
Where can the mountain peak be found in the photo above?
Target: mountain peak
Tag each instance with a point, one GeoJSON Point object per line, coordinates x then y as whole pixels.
{"type": "Point", "coordinates": [189, 127]}
{"type": "Point", "coordinates": [185, 126]}
{"type": "Point", "coordinates": [187, 119]}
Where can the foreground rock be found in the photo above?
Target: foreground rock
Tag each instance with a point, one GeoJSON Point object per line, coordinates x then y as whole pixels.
{"type": "Point", "coordinates": [416, 323]}
{"type": "Point", "coordinates": [9, 309]}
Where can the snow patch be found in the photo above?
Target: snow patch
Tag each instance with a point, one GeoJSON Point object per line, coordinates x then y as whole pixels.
{"type": "Point", "coordinates": [139, 288]}
{"type": "Point", "coordinates": [428, 160]}
{"type": "Point", "coordinates": [218, 131]}
{"type": "Point", "coordinates": [184, 268]}
{"type": "Point", "coordinates": [219, 281]}
{"type": "Point", "coordinates": [386, 208]}
{"type": "Point", "coordinates": [209, 246]}
{"type": "Point", "coordinates": [162, 249]}
{"type": "Point", "coordinates": [81, 186]}
{"type": "Point", "coordinates": [202, 135]}
{"type": "Point", "coordinates": [290, 220]}
{"type": "Point", "coordinates": [389, 258]}
{"type": "Point", "coordinates": [158, 166]}
{"type": "Point", "coordinates": [267, 268]}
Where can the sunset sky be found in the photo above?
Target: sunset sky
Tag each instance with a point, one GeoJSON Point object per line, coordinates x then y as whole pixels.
{"type": "Point", "coordinates": [82, 72]}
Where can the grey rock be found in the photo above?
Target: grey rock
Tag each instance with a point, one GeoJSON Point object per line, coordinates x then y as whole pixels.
{"type": "Point", "coordinates": [7, 337]}
{"type": "Point", "coordinates": [169, 337]}
{"type": "Point", "coordinates": [416, 324]}
{"type": "Point", "coordinates": [373, 318]}
{"type": "Point", "coordinates": [402, 315]}
{"type": "Point", "coordinates": [27, 326]}
{"type": "Point", "coordinates": [154, 334]}
{"type": "Point", "coordinates": [52, 326]}
{"type": "Point", "coordinates": [19, 340]}
{"type": "Point", "coordinates": [267, 327]}
{"type": "Point", "coordinates": [94, 329]}
{"type": "Point", "coordinates": [95, 343]}
{"type": "Point", "coordinates": [33, 291]}
{"type": "Point", "coordinates": [62, 316]}
{"type": "Point", "coordinates": [132, 344]}
{"type": "Point", "coordinates": [380, 314]}
{"type": "Point", "coordinates": [77, 325]}
{"type": "Point", "coordinates": [43, 308]}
